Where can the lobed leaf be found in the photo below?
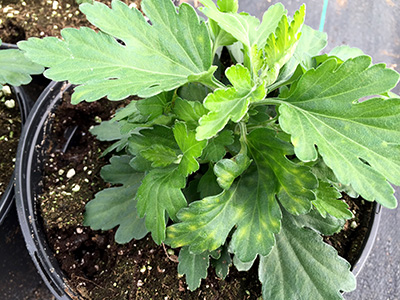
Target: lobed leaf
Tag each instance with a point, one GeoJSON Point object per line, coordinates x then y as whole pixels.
{"type": "Point", "coordinates": [193, 266]}
{"type": "Point", "coordinates": [320, 273]}
{"type": "Point", "coordinates": [173, 50]}
{"type": "Point", "coordinates": [359, 141]}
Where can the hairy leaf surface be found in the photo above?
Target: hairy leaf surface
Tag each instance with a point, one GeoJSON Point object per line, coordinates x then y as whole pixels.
{"type": "Point", "coordinates": [320, 273]}
{"type": "Point", "coordinates": [358, 141]}
{"type": "Point", "coordinates": [172, 51]}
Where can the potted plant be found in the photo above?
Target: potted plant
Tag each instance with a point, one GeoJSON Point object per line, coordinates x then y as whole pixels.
{"type": "Point", "coordinates": [242, 141]}
{"type": "Point", "coordinates": [15, 70]}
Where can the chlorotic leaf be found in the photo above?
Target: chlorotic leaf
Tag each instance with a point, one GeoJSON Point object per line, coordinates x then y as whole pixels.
{"type": "Point", "coordinates": [294, 182]}
{"type": "Point", "coordinates": [328, 202]}
{"type": "Point", "coordinates": [15, 68]}
{"type": "Point", "coordinates": [227, 170]}
{"type": "Point", "coordinates": [249, 204]}
{"type": "Point", "coordinates": [229, 104]}
{"type": "Point", "coordinates": [320, 273]}
{"type": "Point", "coordinates": [172, 51]}
{"type": "Point", "coordinates": [193, 266]}
{"type": "Point", "coordinates": [160, 193]}
{"type": "Point", "coordinates": [190, 147]}
{"type": "Point", "coordinates": [359, 141]}
{"type": "Point", "coordinates": [116, 206]}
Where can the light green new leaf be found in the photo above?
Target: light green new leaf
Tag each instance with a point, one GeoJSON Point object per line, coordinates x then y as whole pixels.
{"type": "Point", "coordinates": [360, 142]}
{"type": "Point", "coordinates": [193, 266]}
{"type": "Point", "coordinates": [173, 50]}
{"type": "Point", "coordinates": [302, 266]}
{"type": "Point", "coordinates": [215, 149]}
{"type": "Point", "coordinates": [294, 182]}
{"type": "Point", "coordinates": [231, 6]}
{"type": "Point", "coordinates": [15, 68]}
{"type": "Point", "coordinates": [116, 206]}
{"type": "Point", "coordinates": [249, 204]}
{"type": "Point", "coordinates": [190, 147]}
{"type": "Point", "coordinates": [160, 193]}
{"type": "Point", "coordinates": [328, 202]}
{"type": "Point", "coordinates": [282, 44]}
{"type": "Point", "coordinates": [243, 27]}
{"type": "Point", "coordinates": [229, 104]}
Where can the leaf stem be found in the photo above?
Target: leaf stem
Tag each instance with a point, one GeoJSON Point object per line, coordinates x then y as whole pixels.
{"type": "Point", "coordinates": [212, 83]}
{"type": "Point", "coordinates": [268, 101]}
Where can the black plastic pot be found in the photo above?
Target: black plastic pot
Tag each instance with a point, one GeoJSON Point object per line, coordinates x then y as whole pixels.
{"type": "Point", "coordinates": [31, 153]}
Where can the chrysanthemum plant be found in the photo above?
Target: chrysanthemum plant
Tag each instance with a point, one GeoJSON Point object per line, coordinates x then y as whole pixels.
{"type": "Point", "coordinates": [242, 140]}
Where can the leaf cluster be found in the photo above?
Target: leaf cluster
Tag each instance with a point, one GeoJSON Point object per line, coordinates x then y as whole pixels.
{"type": "Point", "coordinates": [238, 162]}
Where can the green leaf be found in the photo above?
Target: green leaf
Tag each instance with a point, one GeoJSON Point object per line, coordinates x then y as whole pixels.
{"type": "Point", "coordinates": [245, 28]}
{"type": "Point", "coordinates": [154, 106]}
{"type": "Point", "coordinates": [282, 44]}
{"type": "Point", "coordinates": [242, 266]}
{"type": "Point", "coordinates": [292, 182]}
{"type": "Point", "coordinates": [229, 104]}
{"type": "Point", "coordinates": [194, 266]}
{"type": "Point", "coordinates": [160, 193]}
{"type": "Point", "coordinates": [327, 202]}
{"type": "Point", "coordinates": [215, 149]}
{"type": "Point", "coordinates": [173, 50]}
{"type": "Point", "coordinates": [320, 273]}
{"type": "Point", "coordinates": [208, 185]}
{"type": "Point", "coordinates": [159, 155]}
{"type": "Point", "coordinates": [15, 68]}
{"type": "Point", "coordinates": [227, 170]}
{"type": "Point", "coordinates": [116, 206]}
{"type": "Point", "coordinates": [358, 141]}
{"type": "Point", "coordinates": [107, 131]}
{"type": "Point", "coordinates": [231, 6]}
{"type": "Point", "coordinates": [190, 147]}
{"type": "Point", "coordinates": [222, 264]}
{"type": "Point", "coordinates": [189, 111]}
{"type": "Point", "coordinates": [249, 204]}
{"type": "Point", "coordinates": [345, 52]}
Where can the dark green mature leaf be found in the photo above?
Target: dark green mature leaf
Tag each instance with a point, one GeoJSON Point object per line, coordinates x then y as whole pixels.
{"type": "Point", "coordinates": [229, 104]}
{"type": "Point", "coordinates": [160, 193]}
{"type": "Point", "coordinates": [222, 263]}
{"type": "Point", "coordinates": [107, 131]}
{"type": "Point", "coordinates": [358, 141]}
{"type": "Point", "coordinates": [190, 147]}
{"type": "Point", "coordinates": [159, 155]}
{"type": "Point", "coordinates": [174, 50]}
{"type": "Point", "coordinates": [320, 273]}
{"type": "Point", "coordinates": [293, 183]}
{"type": "Point", "coordinates": [15, 68]}
{"type": "Point", "coordinates": [154, 106]}
{"type": "Point", "coordinates": [194, 266]}
{"type": "Point", "coordinates": [249, 204]}
{"type": "Point", "coordinates": [327, 202]}
{"type": "Point", "coordinates": [208, 185]}
{"type": "Point", "coordinates": [117, 205]}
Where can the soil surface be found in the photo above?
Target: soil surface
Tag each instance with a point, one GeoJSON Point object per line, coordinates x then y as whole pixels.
{"type": "Point", "coordinates": [10, 130]}
{"type": "Point", "coordinates": [96, 266]}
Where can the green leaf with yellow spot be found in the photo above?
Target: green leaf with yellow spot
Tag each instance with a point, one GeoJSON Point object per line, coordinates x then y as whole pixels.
{"type": "Point", "coordinates": [293, 183]}
{"type": "Point", "coordinates": [249, 206]}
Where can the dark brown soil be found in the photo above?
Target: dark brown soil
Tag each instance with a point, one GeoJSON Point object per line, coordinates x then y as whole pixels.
{"type": "Point", "coordinates": [99, 268]}
{"type": "Point", "coordinates": [10, 130]}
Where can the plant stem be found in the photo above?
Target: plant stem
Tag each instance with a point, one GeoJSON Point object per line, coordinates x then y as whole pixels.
{"type": "Point", "coordinates": [268, 101]}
